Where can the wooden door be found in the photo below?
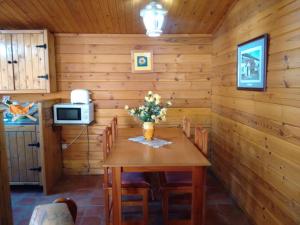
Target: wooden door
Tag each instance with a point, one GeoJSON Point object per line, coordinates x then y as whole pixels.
{"type": "Point", "coordinates": [29, 61]}
{"type": "Point", "coordinates": [5, 203]}
{"type": "Point", "coordinates": [51, 154]}
{"type": "Point", "coordinates": [23, 154]}
{"type": "Point", "coordinates": [6, 66]}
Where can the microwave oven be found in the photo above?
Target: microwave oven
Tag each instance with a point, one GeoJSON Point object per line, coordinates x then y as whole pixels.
{"type": "Point", "coordinates": [68, 113]}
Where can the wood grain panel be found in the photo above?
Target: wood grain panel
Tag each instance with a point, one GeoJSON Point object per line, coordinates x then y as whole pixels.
{"type": "Point", "coordinates": [110, 17]}
{"type": "Point", "coordinates": [256, 135]}
{"type": "Point", "coordinates": [5, 204]}
{"type": "Point", "coordinates": [51, 154]}
{"type": "Point", "coordinates": [6, 68]}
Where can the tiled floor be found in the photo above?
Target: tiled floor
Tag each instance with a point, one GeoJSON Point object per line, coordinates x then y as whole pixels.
{"type": "Point", "coordinates": [87, 192]}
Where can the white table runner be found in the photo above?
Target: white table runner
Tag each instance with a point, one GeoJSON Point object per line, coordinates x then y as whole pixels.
{"type": "Point", "coordinates": [155, 143]}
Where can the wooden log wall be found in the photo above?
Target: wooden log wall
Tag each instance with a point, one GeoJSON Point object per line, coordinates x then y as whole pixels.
{"type": "Point", "coordinates": [256, 135]}
{"type": "Point", "coordinates": [5, 201]}
{"type": "Point", "coordinates": [102, 64]}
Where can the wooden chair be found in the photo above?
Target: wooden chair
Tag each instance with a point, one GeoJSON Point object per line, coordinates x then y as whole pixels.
{"type": "Point", "coordinates": [201, 139]}
{"type": "Point", "coordinates": [114, 126]}
{"type": "Point", "coordinates": [132, 184]}
{"type": "Point", "coordinates": [186, 127]}
{"type": "Point", "coordinates": [180, 182]}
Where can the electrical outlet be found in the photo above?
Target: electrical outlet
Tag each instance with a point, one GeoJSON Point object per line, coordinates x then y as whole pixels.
{"type": "Point", "coordinates": [64, 146]}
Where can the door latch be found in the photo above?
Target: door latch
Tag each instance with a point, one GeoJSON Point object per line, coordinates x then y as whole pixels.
{"type": "Point", "coordinates": [46, 77]}
{"type": "Point", "coordinates": [42, 46]}
{"type": "Point", "coordinates": [37, 169]}
{"type": "Point", "coordinates": [34, 145]}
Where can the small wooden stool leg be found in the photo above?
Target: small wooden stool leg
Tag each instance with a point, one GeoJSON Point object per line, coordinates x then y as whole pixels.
{"type": "Point", "coordinates": [165, 206]}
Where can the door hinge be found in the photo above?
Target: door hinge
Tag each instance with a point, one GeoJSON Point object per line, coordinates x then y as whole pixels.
{"type": "Point", "coordinates": [46, 77]}
{"type": "Point", "coordinates": [37, 169]}
{"type": "Point", "coordinates": [42, 46]}
{"type": "Point", "coordinates": [34, 145]}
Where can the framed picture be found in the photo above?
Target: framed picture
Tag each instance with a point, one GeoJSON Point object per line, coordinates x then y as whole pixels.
{"type": "Point", "coordinates": [252, 64]}
{"type": "Point", "coordinates": [142, 61]}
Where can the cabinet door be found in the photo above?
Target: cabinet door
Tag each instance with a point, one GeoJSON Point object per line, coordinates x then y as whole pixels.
{"type": "Point", "coordinates": [29, 61]}
{"type": "Point", "coordinates": [6, 66]}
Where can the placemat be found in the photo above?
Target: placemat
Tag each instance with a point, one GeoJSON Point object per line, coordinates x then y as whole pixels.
{"type": "Point", "coordinates": [155, 143]}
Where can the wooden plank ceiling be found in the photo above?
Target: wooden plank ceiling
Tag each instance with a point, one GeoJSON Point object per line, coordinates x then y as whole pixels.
{"type": "Point", "coordinates": [110, 16]}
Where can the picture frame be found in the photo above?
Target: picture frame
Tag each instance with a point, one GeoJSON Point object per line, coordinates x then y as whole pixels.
{"type": "Point", "coordinates": [252, 59]}
{"type": "Point", "coordinates": [142, 61]}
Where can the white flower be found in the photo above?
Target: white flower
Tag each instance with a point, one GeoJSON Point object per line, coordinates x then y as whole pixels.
{"type": "Point", "coordinates": [169, 103]}
{"type": "Point", "coordinates": [132, 111]}
{"type": "Point", "coordinates": [147, 98]}
{"type": "Point", "coordinates": [126, 107]}
{"type": "Point", "coordinates": [150, 92]}
{"type": "Point", "coordinates": [157, 101]}
{"type": "Point", "coordinates": [156, 96]}
{"type": "Point", "coordinates": [163, 118]}
{"type": "Point", "coordinates": [153, 117]}
{"type": "Point", "coordinates": [151, 99]}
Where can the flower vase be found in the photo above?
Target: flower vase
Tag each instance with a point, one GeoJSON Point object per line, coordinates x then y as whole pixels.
{"type": "Point", "coordinates": [148, 130]}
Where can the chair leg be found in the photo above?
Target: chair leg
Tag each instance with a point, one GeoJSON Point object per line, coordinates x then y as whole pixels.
{"type": "Point", "coordinates": [106, 206]}
{"type": "Point", "coordinates": [165, 206]}
{"type": "Point", "coordinates": [145, 207]}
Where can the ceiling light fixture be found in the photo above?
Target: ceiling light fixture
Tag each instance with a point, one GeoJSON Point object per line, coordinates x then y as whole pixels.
{"type": "Point", "coordinates": [153, 17]}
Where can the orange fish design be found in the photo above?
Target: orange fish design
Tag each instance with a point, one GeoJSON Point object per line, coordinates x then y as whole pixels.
{"type": "Point", "coordinates": [20, 110]}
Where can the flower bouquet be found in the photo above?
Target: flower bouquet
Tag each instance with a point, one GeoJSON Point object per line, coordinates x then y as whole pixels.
{"type": "Point", "coordinates": [151, 112]}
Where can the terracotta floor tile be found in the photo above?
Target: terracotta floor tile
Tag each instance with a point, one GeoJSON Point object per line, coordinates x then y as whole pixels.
{"type": "Point", "coordinates": [90, 221]}
{"type": "Point", "coordinates": [88, 193]}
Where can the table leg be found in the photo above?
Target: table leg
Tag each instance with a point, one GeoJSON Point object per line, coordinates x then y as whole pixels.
{"type": "Point", "coordinates": [116, 196]}
{"type": "Point", "coordinates": [198, 196]}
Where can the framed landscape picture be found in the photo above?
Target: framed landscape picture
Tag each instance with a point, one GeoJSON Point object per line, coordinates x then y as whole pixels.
{"type": "Point", "coordinates": [252, 64]}
{"type": "Point", "coordinates": [142, 61]}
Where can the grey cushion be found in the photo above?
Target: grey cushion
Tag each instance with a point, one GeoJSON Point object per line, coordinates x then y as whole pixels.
{"type": "Point", "coordinates": [51, 214]}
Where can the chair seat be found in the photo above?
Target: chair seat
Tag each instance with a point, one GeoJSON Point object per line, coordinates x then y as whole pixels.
{"type": "Point", "coordinates": [132, 179]}
{"type": "Point", "coordinates": [176, 179]}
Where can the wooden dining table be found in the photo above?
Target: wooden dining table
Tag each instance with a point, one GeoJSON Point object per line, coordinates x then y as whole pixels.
{"type": "Point", "coordinates": [180, 155]}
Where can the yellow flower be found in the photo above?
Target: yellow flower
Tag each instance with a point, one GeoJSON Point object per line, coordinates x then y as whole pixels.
{"type": "Point", "coordinates": [150, 92]}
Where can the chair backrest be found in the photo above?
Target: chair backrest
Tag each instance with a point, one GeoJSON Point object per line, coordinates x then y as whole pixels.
{"type": "Point", "coordinates": [107, 145]}
{"type": "Point", "coordinates": [114, 126]}
{"type": "Point", "coordinates": [201, 139]}
{"type": "Point", "coordinates": [107, 141]}
{"type": "Point", "coordinates": [186, 127]}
